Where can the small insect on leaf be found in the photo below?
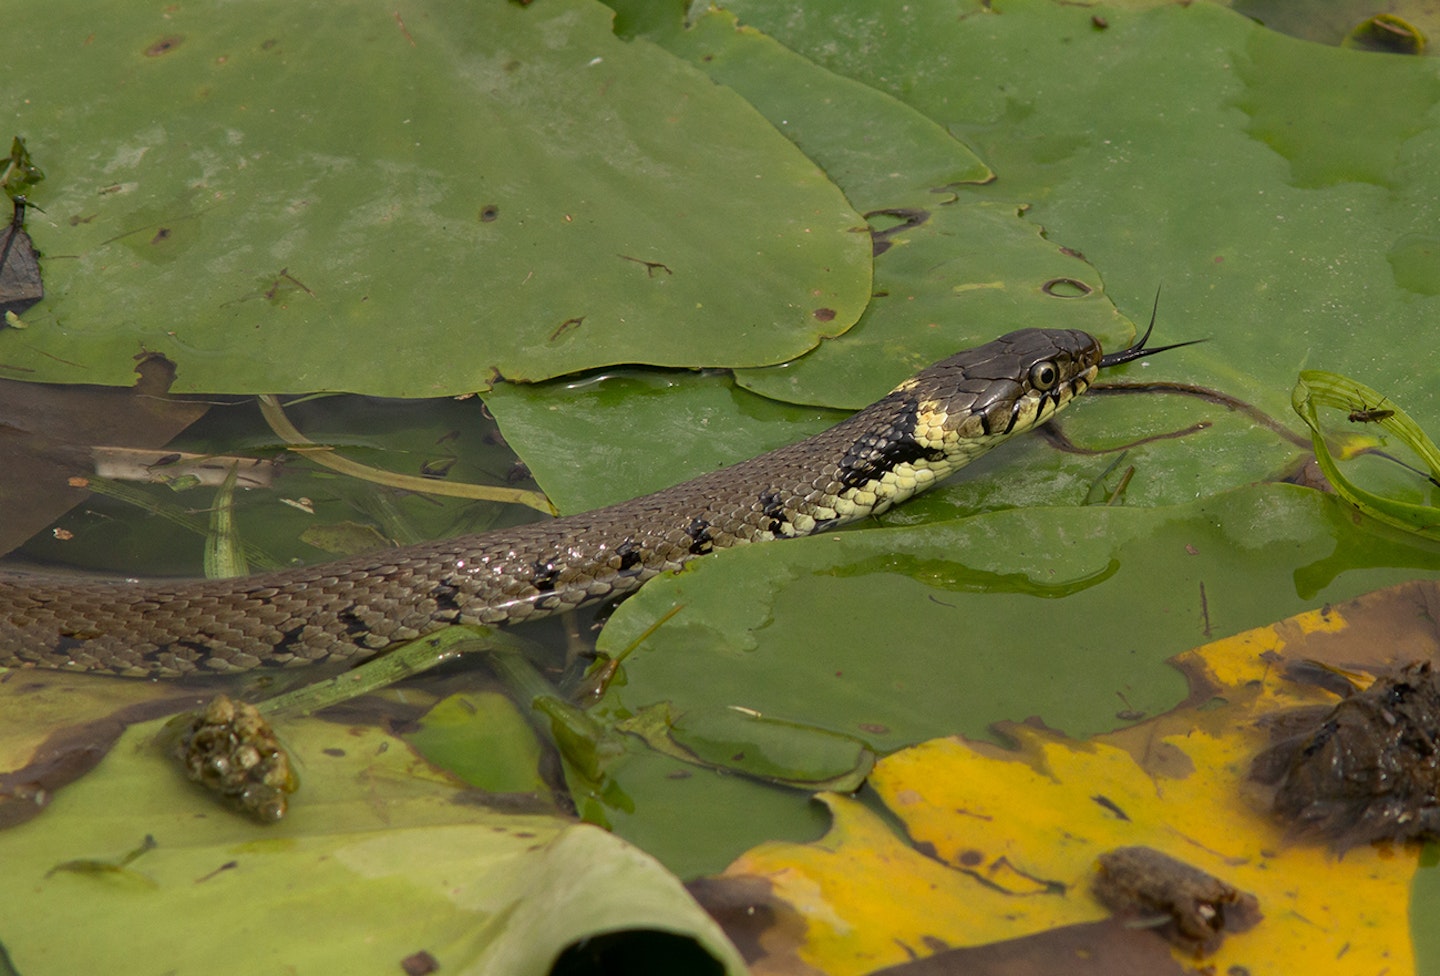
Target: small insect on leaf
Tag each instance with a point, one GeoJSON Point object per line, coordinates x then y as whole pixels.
{"type": "Point", "coordinates": [1370, 415]}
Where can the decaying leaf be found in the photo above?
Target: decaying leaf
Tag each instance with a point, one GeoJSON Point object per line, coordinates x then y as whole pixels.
{"type": "Point", "coordinates": [998, 846]}
{"type": "Point", "coordinates": [1367, 769]}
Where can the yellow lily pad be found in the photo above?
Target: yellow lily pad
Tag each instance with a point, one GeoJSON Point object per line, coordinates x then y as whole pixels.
{"type": "Point", "coordinates": [998, 844]}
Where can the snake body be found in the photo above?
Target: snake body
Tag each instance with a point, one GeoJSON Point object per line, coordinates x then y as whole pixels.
{"type": "Point", "coordinates": [937, 421]}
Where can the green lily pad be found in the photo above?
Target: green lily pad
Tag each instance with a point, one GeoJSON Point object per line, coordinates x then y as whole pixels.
{"type": "Point", "coordinates": [893, 636]}
{"type": "Point", "coordinates": [1153, 145]}
{"type": "Point", "coordinates": [380, 859]}
{"type": "Point", "coordinates": [902, 158]}
{"type": "Point", "coordinates": [603, 439]}
{"type": "Point", "coordinates": [483, 738]}
{"type": "Point", "coordinates": [1176, 146]}
{"type": "Point", "coordinates": [952, 270]}
{"type": "Point", "coordinates": [406, 201]}
{"type": "Point", "coordinates": [967, 273]}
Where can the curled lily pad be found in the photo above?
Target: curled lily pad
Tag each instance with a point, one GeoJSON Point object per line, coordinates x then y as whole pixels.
{"type": "Point", "coordinates": [744, 741]}
{"type": "Point", "coordinates": [1387, 34]}
{"type": "Point", "coordinates": [1364, 405]}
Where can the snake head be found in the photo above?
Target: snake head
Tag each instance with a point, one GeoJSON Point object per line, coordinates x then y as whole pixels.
{"type": "Point", "coordinates": [1010, 385]}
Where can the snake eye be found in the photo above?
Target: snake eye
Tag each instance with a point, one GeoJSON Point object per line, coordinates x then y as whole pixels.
{"type": "Point", "coordinates": [1044, 376]}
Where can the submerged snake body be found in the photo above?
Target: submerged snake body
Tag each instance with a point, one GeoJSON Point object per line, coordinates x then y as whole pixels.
{"type": "Point", "coordinates": [937, 421]}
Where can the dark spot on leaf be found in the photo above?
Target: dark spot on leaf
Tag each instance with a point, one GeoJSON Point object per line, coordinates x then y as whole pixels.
{"type": "Point", "coordinates": [161, 235]}
{"type": "Point", "coordinates": [874, 728]}
{"type": "Point", "coordinates": [908, 217]}
{"type": "Point", "coordinates": [566, 326]}
{"type": "Point", "coordinates": [164, 46]}
{"type": "Point", "coordinates": [268, 44]}
{"type": "Point", "coordinates": [971, 859]}
{"type": "Point", "coordinates": [1066, 288]}
{"type": "Point", "coordinates": [419, 964]}
{"type": "Point", "coordinates": [1110, 805]}
{"type": "Point", "coordinates": [824, 314]}
{"type": "Point", "coordinates": [489, 212]}
{"type": "Point", "coordinates": [1099, 23]}
{"type": "Point", "coordinates": [334, 753]}
{"type": "Point", "coordinates": [650, 266]}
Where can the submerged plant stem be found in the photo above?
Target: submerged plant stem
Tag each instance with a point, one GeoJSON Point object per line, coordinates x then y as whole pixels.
{"type": "Point", "coordinates": [325, 456]}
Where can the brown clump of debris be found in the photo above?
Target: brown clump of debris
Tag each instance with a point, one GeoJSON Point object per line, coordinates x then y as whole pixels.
{"type": "Point", "coordinates": [230, 749]}
{"type": "Point", "coordinates": [1364, 770]}
{"type": "Point", "coordinates": [1189, 908]}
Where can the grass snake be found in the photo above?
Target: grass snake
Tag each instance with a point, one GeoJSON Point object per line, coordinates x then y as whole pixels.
{"type": "Point", "coordinates": [930, 425]}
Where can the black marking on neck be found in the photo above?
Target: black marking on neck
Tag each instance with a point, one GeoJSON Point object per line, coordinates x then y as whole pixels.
{"type": "Point", "coordinates": [772, 506]}
{"type": "Point", "coordinates": [543, 575]}
{"type": "Point", "coordinates": [877, 452]}
{"type": "Point", "coordinates": [290, 639]}
{"type": "Point", "coordinates": [630, 553]}
{"type": "Point", "coordinates": [354, 627]}
{"type": "Point", "coordinates": [446, 596]}
{"type": "Point", "coordinates": [701, 541]}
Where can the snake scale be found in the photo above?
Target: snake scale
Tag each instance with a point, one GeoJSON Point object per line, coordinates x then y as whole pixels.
{"type": "Point", "coordinates": [930, 425]}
